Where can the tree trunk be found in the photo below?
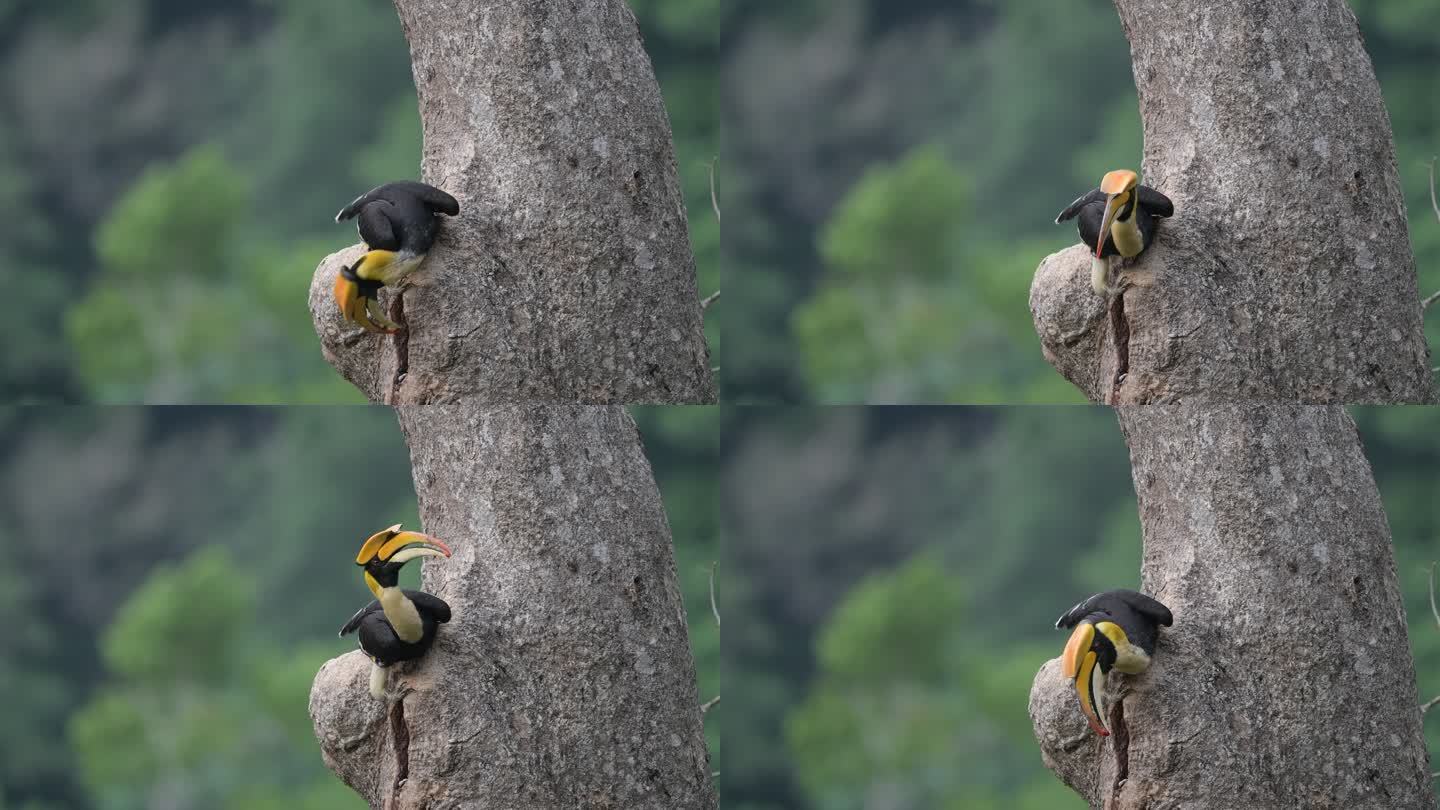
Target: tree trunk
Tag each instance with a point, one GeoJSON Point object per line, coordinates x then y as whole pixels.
{"type": "Point", "coordinates": [1286, 272]}
{"type": "Point", "coordinates": [565, 677]}
{"type": "Point", "coordinates": [568, 276]}
{"type": "Point", "coordinates": [1286, 680]}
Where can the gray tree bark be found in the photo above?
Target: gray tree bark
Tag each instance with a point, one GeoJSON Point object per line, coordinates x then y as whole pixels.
{"type": "Point", "coordinates": [568, 276]}
{"type": "Point", "coordinates": [565, 677]}
{"type": "Point", "coordinates": [1286, 272]}
{"type": "Point", "coordinates": [1286, 680]}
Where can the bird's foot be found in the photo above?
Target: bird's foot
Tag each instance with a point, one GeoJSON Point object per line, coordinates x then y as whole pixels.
{"type": "Point", "coordinates": [393, 696]}
{"type": "Point", "coordinates": [377, 321]}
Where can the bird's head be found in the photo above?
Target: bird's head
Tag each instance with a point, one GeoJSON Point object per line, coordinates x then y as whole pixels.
{"type": "Point", "coordinates": [1117, 186]}
{"type": "Point", "coordinates": [387, 551]}
{"type": "Point", "coordinates": [1089, 649]}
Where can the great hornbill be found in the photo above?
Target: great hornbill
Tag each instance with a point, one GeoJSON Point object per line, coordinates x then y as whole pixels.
{"type": "Point", "coordinates": [1113, 630]}
{"type": "Point", "coordinates": [400, 624]}
{"type": "Point", "coordinates": [1117, 219]}
{"type": "Point", "coordinates": [398, 222]}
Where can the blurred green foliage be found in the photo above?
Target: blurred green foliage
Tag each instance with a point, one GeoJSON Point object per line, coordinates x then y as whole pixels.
{"type": "Point", "coordinates": [895, 578]}
{"type": "Point", "coordinates": [171, 170]}
{"type": "Point", "coordinates": [894, 168]}
{"type": "Point", "coordinates": [164, 658]}
{"type": "Point", "coordinates": [904, 314]}
{"type": "Point", "coordinates": [216, 715]}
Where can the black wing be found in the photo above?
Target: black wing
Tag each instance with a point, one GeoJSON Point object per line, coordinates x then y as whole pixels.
{"type": "Point", "coordinates": [436, 200]}
{"type": "Point", "coordinates": [376, 228]}
{"type": "Point", "coordinates": [430, 605]}
{"type": "Point", "coordinates": [1073, 208]}
{"type": "Point", "coordinates": [1145, 606]}
{"type": "Point", "coordinates": [1073, 616]}
{"type": "Point", "coordinates": [358, 203]}
{"type": "Point", "coordinates": [359, 617]}
{"type": "Point", "coordinates": [1156, 203]}
{"type": "Point", "coordinates": [432, 198]}
{"type": "Point", "coordinates": [1110, 601]}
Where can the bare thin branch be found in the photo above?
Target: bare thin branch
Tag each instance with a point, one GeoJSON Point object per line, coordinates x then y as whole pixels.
{"type": "Point", "coordinates": [708, 300]}
{"type": "Point", "coordinates": [1427, 705]}
{"type": "Point", "coordinates": [1434, 206]}
{"type": "Point", "coordinates": [709, 704]}
{"type": "Point", "coordinates": [713, 609]}
{"type": "Point", "coordinates": [715, 201]}
{"type": "Point", "coordinates": [1433, 611]}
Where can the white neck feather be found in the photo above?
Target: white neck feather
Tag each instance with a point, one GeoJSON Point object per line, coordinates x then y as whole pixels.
{"type": "Point", "coordinates": [402, 614]}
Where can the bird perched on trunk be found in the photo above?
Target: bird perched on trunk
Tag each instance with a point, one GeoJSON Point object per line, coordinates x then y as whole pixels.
{"type": "Point", "coordinates": [398, 222]}
{"type": "Point", "coordinates": [1117, 219]}
{"type": "Point", "coordinates": [1113, 630]}
{"type": "Point", "coordinates": [400, 624]}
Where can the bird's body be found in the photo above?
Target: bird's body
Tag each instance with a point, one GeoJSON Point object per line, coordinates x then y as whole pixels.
{"type": "Point", "coordinates": [399, 223]}
{"type": "Point", "coordinates": [1112, 630]}
{"type": "Point", "coordinates": [400, 625]}
{"type": "Point", "coordinates": [1118, 218]}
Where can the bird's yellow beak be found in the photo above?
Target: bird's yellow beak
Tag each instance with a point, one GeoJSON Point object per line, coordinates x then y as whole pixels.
{"type": "Point", "coordinates": [356, 305]}
{"type": "Point", "coordinates": [1085, 686]}
{"type": "Point", "coordinates": [1117, 187]}
{"type": "Point", "coordinates": [1113, 204]}
{"type": "Point", "coordinates": [387, 545]}
{"type": "Point", "coordinates": [347, 294]}
{"type": "Point", "coordinates": [1079, 663]}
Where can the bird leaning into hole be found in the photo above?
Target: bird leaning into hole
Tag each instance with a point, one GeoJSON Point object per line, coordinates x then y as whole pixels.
{"type": "Point", "coordinates": [400, 624]}
{"type": "Point", "coordinates": [1117, 219]}
{"type": "Point", "coordinates": [1113, 630]}
{"type": "Point", "coordinates": [398, 222]}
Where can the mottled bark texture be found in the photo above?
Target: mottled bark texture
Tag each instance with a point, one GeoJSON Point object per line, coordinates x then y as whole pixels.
{"type": "Point", "coordinates": [565, 678]}
{"type": "Point", "coordinates": [1286, 680]}
{"type": "Point", "coordinates": [1286, 272]}
{"type": "Point", "coordinates": [568, 276]}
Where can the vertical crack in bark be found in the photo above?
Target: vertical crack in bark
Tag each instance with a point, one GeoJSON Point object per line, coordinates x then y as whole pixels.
{"type": "Point", "coordinates": [400, 733]}
{"type": "Point", "coordinates": [1121, 743]}
{"type": "Point", "coordinates": [1120, 331]}
{"type": "Point", "coordinates": [402, 345]}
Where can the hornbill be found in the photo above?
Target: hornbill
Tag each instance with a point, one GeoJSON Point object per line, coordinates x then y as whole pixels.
{"type": "Point", "coordinates": [400, 624]}
{"type": "Point", "coordinates": [1113, 630]}
{"type": "Point", "coordinates": [398, 222]}
{"type": "Point", "coordinates": [1117, 219]}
